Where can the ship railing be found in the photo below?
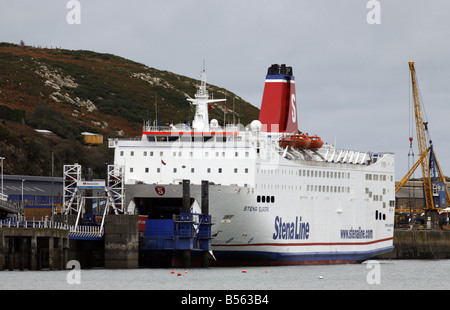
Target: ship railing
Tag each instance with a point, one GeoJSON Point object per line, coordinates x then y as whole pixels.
{"type": "Point", "coordinates": [157, 128]}
{"type": "Point", "coordinates": [331, 155]}
{"type": "Point", "coordinates": [194, 218]}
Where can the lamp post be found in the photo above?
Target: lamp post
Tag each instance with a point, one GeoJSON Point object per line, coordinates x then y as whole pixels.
{"type": "Point", "coordinates": [53, 207]}
{"type": "Point", "coordinates": [22, 191]}
{"type": "Point", "coordinates": [1, 158]}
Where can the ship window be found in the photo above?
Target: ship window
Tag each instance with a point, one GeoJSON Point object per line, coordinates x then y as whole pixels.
{"type": "Point", "coordinates": [258, 198]}
{"type": "Point", "coordinates": [236, 154]}
{"type": "Point", "coordinates": [131, 169]}
{"type": "Point", "coordinates": [158, 170]}
{"type": "Point", "coordinates": [235, 170]}
{"type": "Point", "coordinates": [146, 170]}
{"type": "Point", "coordinates": [132, 153]}
{"type": "Point", "coordinates": [246, 154]}
{"type": "Point", "coordinates": [174, 170]}
{"type": "Point", "coordinates": [263, 198]}
{"type": "Point", "coordinates": [246, 170]}
{"type": "Point", "coordinates": [121, 153]}
{"type": "Point", "coordinates": [161, 153]}
{"type": "Point", "coordinates": [145, 153]}
{"type": "Point", "coordinates": [220, 170]}
{"type": "Point", "coordinates": [268, 198]}
{"type": "Point", "coordinates": [151, 153]}
{"type": "Point", "coordinates": [208, 170]}
{"type": "Point", "coordinates": [272, 199]}
{"type": "Point", "coordinates": [174, 154]}
{"type": "Point", "coordinates": [192, 170]}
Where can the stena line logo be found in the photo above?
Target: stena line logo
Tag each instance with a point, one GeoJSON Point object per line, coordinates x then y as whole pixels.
{"type": "Point", "coordinates": [294, 111]}
{"type": "Point", "coordinates": [291, 230]}
{"type": "Point", "coordinates": [160, 190]}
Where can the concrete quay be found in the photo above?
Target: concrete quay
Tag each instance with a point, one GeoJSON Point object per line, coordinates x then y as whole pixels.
{"type": "Point", "coordinates": [33, 248]}
{"type": "Point", "coordinates": [419, 244]}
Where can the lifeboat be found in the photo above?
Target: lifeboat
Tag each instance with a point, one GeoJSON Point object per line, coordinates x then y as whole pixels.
{"type": "Point", "coordinates": [301, 141]}
{"type": "Point", "coordinates": [316, 142]}
{"type": "Point", "coordinates": [286, 141]}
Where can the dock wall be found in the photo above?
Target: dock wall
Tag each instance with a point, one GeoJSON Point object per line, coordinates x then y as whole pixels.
{"type": "Point", "coordinates": [121, 242]}
{"type": "Point", "coordinates": [419, 244]}
{"type": "Point", "coordinates": [33, 248]}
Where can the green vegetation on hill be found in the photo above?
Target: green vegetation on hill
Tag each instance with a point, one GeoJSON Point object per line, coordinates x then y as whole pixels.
{"type": "Point", "coordinates": [68, 92]}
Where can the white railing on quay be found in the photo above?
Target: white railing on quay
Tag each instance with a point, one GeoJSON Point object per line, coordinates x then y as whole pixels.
{"type": "Point", "coordinates": [75, 231]}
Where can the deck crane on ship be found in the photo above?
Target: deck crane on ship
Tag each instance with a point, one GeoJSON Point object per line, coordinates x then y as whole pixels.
{"type": "Point", "coordinates": [436, 195]}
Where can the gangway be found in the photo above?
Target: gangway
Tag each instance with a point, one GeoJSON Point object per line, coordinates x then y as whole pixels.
{"type": "Point", "coordinates": [8, 207]}
{"type": "Point", "coordinates": [75, 194]}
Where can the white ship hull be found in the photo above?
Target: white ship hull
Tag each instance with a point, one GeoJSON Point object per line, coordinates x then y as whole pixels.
{"type": "Point", "coordinates": [352, 224]}
{"type": "Point", "coordinates": [273, 204]}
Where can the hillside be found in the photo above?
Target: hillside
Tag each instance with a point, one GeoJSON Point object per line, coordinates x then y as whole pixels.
{"type": "Point", "coordinates": [69, 92]}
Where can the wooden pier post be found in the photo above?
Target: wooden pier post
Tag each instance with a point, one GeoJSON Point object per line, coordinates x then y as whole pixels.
{"type": "Point", "coordinates": [33, 252]}
{"type": "Point", "coordinates": [205, 211]}
{"type": "Point", "coordinates": [186, 254]}
{"type": "Point", "coordinates": [2, 250]}
{"type": "Point", "coordinates": [51, 246]}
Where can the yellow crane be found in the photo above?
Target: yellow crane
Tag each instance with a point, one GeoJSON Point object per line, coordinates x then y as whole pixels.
{"type": "Point", "coordinates": [434, 185]}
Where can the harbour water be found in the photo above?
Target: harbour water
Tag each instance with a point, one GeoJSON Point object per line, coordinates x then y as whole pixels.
{"type": "Point", "coordinates": [370, 275]}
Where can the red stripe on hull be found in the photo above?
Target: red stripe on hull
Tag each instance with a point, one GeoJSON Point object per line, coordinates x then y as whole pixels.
{"type": "Point", "coordinates": [304, 244]}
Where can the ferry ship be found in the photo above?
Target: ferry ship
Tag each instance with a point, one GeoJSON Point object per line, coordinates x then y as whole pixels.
{"type": "Point", "coordinates": [278, 196]}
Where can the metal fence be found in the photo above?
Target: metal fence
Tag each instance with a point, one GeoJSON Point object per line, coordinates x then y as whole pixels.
{"type": "Point", "coordinates": [75, 232]}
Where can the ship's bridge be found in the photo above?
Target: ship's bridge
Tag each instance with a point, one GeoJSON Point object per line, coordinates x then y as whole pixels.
{"type": "Point", "coordinates": [183, 133]}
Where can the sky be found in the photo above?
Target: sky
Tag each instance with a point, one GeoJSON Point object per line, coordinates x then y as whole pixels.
{"type": "Point", "coordinates": [352, 75]}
